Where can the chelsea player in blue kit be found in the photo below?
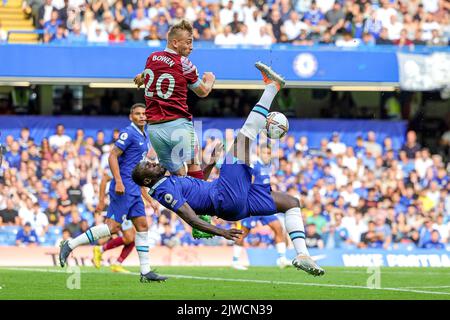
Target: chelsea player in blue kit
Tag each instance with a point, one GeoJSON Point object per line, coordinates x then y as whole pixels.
{"type": "Point", "coordinates": [261, 174]}
{"type": "Point", "coordinates": [125, 196]}
{"type": "Point", "coordinates": [232, 196]}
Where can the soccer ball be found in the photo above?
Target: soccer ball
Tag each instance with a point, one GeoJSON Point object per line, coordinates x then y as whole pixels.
{"type": "Point", "coordinates": [277, 125]}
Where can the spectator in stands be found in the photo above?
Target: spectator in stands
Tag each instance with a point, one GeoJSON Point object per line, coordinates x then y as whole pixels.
{"type": "Point", "coordinates": [236, 23]}
{"type": "Point", "coordinates": [347, 40]}
{"type": "Point", "coordinates": [434, 242]}
{"type": "Point", "coordinates": [13, 156]}
{"type": "Point", "coordinates": [99, 35]}
{"type": "Point", "coordinates": [45, 13]}
{"type": "Point", "coordinates": [142, 23]}
{"type": "Point", "coordinates": [335, 145]}
{"type": "Point", "coordinates": [367, 40]}
{"type": "Point", "coordinates": [52, 213]}
{"type": "Point", "coordinates": [75, 36]}
{"type": "Point", "coordinates": [371, 144]}
{"type": "Point", "coordinates": [50, 27]}
{"type": "Point", "coordinates": [227, 38]}
{"type": "Point", "coordinates": [383, 37]}
{"type": "Point", "coordinates": [315, 19]}
{"type": "Point", "coordinates": [27, 236]}
{"type": "Point", "coordinates": [411, 146]}
{"type": "Point", "coordinates": [312, 238]}
{"type": "Point", "coordinates": [9, 215]}
{"type": "Point", "coordinates": [60, 37]}
{"type": "Point", "coordinates": [436, 39]}
{"type": "Point", "coordinates": [293, 26]}
{"type": "Point", "coordinates": [74, 226]}
{"type": "Point", "coordinates": [335, 18]}
{"type": "Point", "coordinates": [59, 139]}
{"type": "Point", "coordinates": [276, 23]}
{"type": "Point", "coordinates": [116, 36]}
{"type": "Point", "coordinates": [200, 25]}
{"type": "Point", "coordinates": [403, 41]}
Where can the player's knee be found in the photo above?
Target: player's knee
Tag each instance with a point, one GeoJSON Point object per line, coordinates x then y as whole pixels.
{"type": "Point", "coordinates": [114, 227]}
{"type": "Point", "coordinates": [293, 202]}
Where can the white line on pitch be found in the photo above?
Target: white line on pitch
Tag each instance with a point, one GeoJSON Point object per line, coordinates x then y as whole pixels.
{"type": "Point", "coordinates": [256, 281]}
{"type": "Point", "coordinates": [431, 287]}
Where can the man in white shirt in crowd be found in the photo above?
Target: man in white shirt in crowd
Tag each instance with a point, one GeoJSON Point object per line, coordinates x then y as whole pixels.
{"type": "Point", "coordinates": [226, 13]}
{"type": "Point", "coordinates": [335, 145]}
{"type": "Point", "coordinates": [293, 26]}
{"type": "Point", "coordinates": [142, 23]}
{"type": "Point", "coordinates": [227, 38]}
{"type": "Point", "coordinates": [59, 139]}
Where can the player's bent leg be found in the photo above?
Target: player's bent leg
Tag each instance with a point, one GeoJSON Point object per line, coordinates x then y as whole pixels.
{"type": "Point", "coordinates": [237, 249]}
{"type": "Point", "coordinates": [280, 244]}
{"type": "Point", "coordinates": [128, 246]}
{"type": "Point", "coordinates": [142, 248]}
{"type": "Point", "coordinates": [296, 230]}
{"type": "Point", "coordinates": [90, 236]}
{"type": "Point", "coordinates": [257, 118]}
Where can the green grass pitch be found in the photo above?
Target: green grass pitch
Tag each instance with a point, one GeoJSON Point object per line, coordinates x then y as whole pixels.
{"type": "Point", "coordinates": [191, 283]}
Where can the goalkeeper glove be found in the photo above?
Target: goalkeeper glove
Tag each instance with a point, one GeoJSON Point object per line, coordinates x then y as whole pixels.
{"type": "Point", "coordinates": [197, 234]}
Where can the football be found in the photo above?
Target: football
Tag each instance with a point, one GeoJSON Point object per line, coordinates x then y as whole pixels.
{"type": "Point", "coordinates": [277, 125]}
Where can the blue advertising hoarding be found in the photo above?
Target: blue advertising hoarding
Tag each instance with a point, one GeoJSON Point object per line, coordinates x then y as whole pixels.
{"type": "Point", "coordinates": [359, 258]}
{"type": "Point", "coordinates": [310, 64]}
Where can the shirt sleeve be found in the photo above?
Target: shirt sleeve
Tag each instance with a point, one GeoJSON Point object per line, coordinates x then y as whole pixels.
{"type": "Point", "coordinates": [169, 195]}
{"type": "Point", "coordinates": [124, 141]}
{"type": "Point", "coordinates": [190, 73]}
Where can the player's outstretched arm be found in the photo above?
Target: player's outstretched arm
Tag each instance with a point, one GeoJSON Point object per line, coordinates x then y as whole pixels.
{"type": "Point", "coordinates": [102, 193]}
{"type": "Point", "coordinates": [187, 214]}
{"type": "Point", "coordinates": [206, 85]}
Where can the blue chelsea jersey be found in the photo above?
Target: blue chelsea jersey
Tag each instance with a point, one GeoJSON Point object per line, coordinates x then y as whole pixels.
{"type": "Point", "coordinates": [135, 145]}
{"type": "Point", "coordinates": [261, 172]}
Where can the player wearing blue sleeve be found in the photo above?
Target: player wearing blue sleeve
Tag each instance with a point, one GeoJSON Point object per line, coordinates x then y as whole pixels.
{"type": "Point", "coordinates": [261, 175]}
{"type": "Point", "coordinates": [125, 196]}
{"type": "Point", "coordinates": [233, 196]}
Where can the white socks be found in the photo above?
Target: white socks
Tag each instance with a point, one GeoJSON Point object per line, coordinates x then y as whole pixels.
{"type": "Point", "coordinates": [296, 230]}
{"type": "Point", "coordinates": [268, 95]}
{"type": "Point", "coordinates": [141, 242]}
{"type": "Point", "coordinates": [90, 236]}
{"type": "Point", "coordinates": [281, 249]}
{"type": "Point", "coordinates": [236, 252]}
{"type": "Point", "coordinates": [256, 120]}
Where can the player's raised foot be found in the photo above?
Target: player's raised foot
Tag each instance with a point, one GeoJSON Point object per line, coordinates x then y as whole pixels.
{"type": "Point", "coordinates": [238, 266]}
{"type": "Point", "coordinates": [152, 277]}
{"type": "Point", "coordinates": [97, 256]}
{"type": "Point", "coordinates": [270, 76]}
{"type": "Point", "coordinates": [64, 252]}
{"type": "Point", "coordinates": [119, 268]}
{"type": "Point", "coordinates": [283, 263]}
{"type": "Point", "coordinates": [307, 264]}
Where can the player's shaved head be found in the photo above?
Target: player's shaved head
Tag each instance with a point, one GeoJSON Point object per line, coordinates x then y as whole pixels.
{"type": "Point", "coordinates": [178, 29]}
{"type": "Point", "coordinates": [146, 173]}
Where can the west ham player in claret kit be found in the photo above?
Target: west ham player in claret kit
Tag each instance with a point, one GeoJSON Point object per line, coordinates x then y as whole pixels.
{"type": "Point", "coordinates": [167, 77]}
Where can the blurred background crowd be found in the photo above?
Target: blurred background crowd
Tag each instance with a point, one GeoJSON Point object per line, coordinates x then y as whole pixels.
{"type": "Point", "coordinates": [362, 195]}
{"type": "Point", "coordinates": [344, 23]}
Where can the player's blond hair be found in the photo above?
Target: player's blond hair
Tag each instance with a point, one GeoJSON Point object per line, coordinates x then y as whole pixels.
{"type": "Point", "coordinates": [183, 25]}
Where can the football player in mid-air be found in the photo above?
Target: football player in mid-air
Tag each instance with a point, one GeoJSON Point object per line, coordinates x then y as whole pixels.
{"type": "Point", "coordinates": [232, 196]}
{"type": "Point", "coordinates": [125, 196]}
{"type": "Point", "coordinates": [261, 175]}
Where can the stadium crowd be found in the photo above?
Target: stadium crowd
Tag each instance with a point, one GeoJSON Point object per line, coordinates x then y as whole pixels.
{"type": "Point", "coordinates": [364, 195]}
{"type": "Point", "coordinates": [344, 23]}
